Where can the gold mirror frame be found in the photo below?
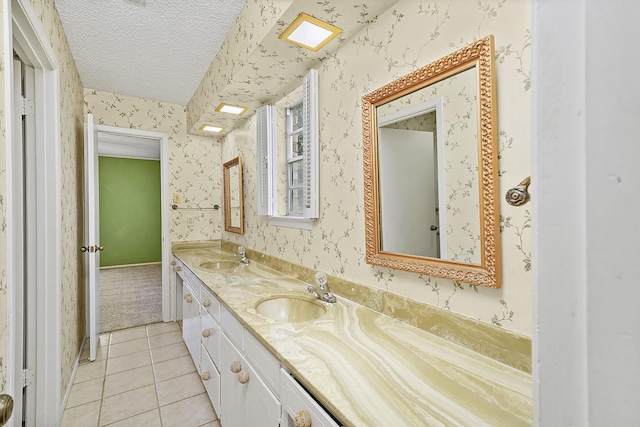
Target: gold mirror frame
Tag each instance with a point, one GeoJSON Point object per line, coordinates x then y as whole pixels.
{"type": "Point", "coordinates": [479, 54]}
{"type": "Point", "coordinates": [228, 196]}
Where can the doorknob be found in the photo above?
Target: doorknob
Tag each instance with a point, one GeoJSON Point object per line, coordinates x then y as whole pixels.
{"type": "Point", "coordinates": [6, 408]}
{"type": "Point", "coordinates": [92, 248]}
{"type": "Point", "coordinates": [434, 228]}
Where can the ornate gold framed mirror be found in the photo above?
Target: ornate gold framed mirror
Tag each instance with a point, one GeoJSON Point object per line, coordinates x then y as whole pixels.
{"type": "Point", "coordinates": [233, 196]}
{"type": "Point", "coordinates": [431, 169]}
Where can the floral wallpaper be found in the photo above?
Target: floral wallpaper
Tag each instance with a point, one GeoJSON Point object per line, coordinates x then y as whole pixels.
{"type": "Point", "coordinates": [256, 19]}
{"type": "Point", "coordinates": [407, 36]}
{"type": "Point", "coordinates": [195, 171]}
{"type": "Point", "coordinates": [462, 189]}
{"type": "Point", "coordinates": [3, 222]}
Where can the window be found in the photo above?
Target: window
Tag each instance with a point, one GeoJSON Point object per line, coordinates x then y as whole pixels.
{"type": "Point", "coordinates": [295, 159]}
{"type": "Point", "coordinates": [299, 161]}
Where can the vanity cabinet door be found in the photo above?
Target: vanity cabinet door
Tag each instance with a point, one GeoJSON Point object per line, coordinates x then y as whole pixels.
{"type": "Point", "coordinates": [246, 401]}
{"type": "Point", "coordinates": [211, 379]}
{"type": "Point", "coordinates": [263, 408]}
{"type": "Point", "coordinates": [232, 393]}
{"type": "Point", "coordinates": [191, 323]}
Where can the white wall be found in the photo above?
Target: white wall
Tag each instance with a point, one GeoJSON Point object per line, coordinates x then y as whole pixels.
{"type": "Point", "coordinates": [586, 272]}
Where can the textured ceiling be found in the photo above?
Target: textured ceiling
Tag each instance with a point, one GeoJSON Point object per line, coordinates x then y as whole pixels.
{"type": "Point", "coordinates": [154, 49]}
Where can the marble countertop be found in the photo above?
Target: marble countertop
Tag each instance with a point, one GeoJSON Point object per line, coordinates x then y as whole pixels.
{"type": "Point", "coordinates": [366, 368]}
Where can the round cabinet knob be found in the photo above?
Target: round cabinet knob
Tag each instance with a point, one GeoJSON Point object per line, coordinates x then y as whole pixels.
{"type": "Point", "coordinates": [188, 298]}
{"type": "Point", "coordinates": [206, 303]}
{"type": "Point", "coordinates": [206, 333]}
{"type": "Point", "coordinates": [178, 268]}
{"type": "Point", "coordinates": [173, 262]}
{"type": "Point", "coordinates": [235, 366]}
{"type": "Point", "coordinates": [83, 249]}
{"type": "Point", "coordinates": [206, 376]}
{"type": "Point", "coordinates": [243, 377]}
{"type": "Point", "coordinates": [100, 248]}
{"type": "Point", "coordinates": [302, 419]}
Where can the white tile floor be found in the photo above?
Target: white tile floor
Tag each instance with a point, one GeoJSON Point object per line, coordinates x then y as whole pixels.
{"type": "Point", "coordinates": [142, 376]}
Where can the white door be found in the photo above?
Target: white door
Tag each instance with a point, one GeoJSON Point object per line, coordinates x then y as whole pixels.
{"type": "Point", "coordinates": [408, 192]}
{"type": "Point", "coordinates": [25, 223]}
{"type": "Point", "coordinates": [91, 246]}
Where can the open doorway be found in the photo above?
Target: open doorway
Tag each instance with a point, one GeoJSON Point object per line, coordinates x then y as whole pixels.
{"type": "Point", "coordinates": [134, 229]}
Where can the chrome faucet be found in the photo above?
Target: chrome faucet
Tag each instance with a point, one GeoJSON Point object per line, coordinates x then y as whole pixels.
{"type": "Point", "coordinates": [243, 255]}
{"type": "Point", "coordinates": [321, 291]}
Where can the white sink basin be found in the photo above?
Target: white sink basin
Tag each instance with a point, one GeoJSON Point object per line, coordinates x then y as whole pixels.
{"type": "Point", "coordinates": [290, 309]}
{"type": "Point", "coordinates": [219, 265]}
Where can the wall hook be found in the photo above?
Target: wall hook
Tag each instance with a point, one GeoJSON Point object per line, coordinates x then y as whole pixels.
{"type": "Point", "coordinates": [519, 195]}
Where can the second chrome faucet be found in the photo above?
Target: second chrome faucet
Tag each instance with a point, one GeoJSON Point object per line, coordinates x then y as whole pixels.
{"type": "Point", "coordinates": [321, 290]}
{"type": "Point", "coordinates": [243, 255]}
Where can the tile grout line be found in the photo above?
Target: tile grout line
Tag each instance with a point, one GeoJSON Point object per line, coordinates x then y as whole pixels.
{"type": "Point", "coordinates": [104, 380]}
{"type": "Point", "coordinates": [108, 360]}
{"type": "Point", "coordinates": [155, 382]}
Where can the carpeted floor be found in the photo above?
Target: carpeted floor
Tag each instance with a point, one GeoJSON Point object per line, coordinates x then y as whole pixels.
{"type": "Point", "coordinates": [130, 296]}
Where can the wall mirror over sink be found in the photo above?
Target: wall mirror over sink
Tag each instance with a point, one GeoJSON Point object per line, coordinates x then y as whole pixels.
{"type": "Point", "coordinates": [233, 196]}
{"type": "Point", "coordinates": [431, 169]}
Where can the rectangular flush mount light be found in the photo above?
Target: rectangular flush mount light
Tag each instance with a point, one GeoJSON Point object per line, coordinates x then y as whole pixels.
{"type": "Point", "coordinates": [231, 109]}
{"type": "Point", "coordinates": [211, 128]}
{"type": "Point", "coordinates": [309, 32]}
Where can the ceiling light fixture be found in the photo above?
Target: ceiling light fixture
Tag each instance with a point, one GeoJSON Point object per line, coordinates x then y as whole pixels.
{"type": "Point", "coordinates": [309, 32]}
{"type": "Point", "coordinates": [231, 109]}
{"type": "Point", "coordinates": [211, 128]}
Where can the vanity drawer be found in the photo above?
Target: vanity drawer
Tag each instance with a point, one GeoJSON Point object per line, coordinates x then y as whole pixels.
{"type": "Point", "coordinates": [211, 337]}
{"type": "Point", "coordinates": [193, 291]}
{"type": "Point", "coordinates": [210, 303]}
{"type": "Point", "coordinates": [211, 380]}
{"type": "Point", "coordinates": [267, 365]}
{"type": "Point", "coordinates": [294, 399]}
{"type": "Point", "coordinates": [192, 284]}
{"type": "Point", "coordinates": [231, 327]}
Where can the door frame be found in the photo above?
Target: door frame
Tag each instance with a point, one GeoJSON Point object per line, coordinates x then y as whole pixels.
{"type": "Point", "coordinates": [21, 23]}
{"type": "Point", "coordinates": [168, 303]}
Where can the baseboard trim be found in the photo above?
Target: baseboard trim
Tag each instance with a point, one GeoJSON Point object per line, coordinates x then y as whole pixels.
{"type": "Point", "coordinates": [71, 380]}
{"type": "Point", "coordinates": [130, 265]}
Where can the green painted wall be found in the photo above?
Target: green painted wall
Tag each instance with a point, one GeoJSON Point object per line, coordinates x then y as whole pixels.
{"type": "Point", "coordinates": [130, 226]}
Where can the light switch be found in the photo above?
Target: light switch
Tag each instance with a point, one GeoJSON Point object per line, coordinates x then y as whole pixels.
{"type": "Point", "coordinates": [190, 221]}
{"type": "Point", "coordinates": [176, 198]}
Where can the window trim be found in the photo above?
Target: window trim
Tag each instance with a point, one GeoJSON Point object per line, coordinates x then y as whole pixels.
{"type": "Point", "coordinates": [291, 221]}
{"type": "Point", "coordinates": [267, 170]}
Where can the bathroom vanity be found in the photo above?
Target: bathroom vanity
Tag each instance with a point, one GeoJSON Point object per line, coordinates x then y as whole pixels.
{"type": "Point", "coordinates": [347, 366]}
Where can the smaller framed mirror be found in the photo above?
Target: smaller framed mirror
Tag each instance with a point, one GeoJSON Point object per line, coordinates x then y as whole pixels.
{"type": "Point", "coordinates": [233, 196]}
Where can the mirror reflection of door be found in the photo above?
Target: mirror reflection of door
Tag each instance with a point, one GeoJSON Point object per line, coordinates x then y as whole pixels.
{"type": "Point", "coordinates": [234, 199]}
{"type": "Point", "coordinates": [233, 196]}
{"type": "Point", "coordinates": [408, 192]}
